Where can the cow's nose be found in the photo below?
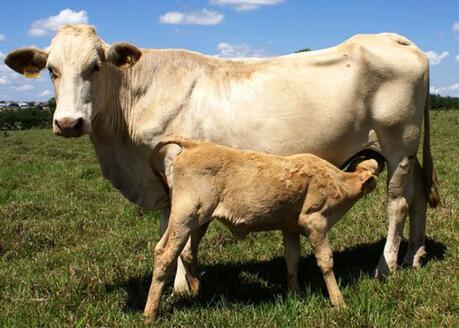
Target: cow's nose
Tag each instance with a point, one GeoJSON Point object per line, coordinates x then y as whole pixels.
{"type": "Point", "coordinates": [69, 127]}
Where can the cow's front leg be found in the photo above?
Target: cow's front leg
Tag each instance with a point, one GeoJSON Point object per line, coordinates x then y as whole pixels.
{"type": "Point", "coordinates": [400, 191]}
{"type": "Point", "coordinates": [180, 281]}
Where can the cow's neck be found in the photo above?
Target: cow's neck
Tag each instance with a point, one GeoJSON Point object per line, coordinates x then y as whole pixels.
{"type": "Point", "coordinates": [133, 111]}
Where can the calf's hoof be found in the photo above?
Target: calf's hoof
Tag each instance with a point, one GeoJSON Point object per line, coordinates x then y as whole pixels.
{"type": "Point", "coordinates": [149, 316]}
{"type": "Point", "coordinates": [337, 301]}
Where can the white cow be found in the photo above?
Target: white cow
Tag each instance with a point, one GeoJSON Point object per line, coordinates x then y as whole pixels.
{"type": "Point", "coordinates": [370, 92]}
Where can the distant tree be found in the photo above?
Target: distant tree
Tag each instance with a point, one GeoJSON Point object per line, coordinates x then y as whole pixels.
{"type": "Point", "coordinates": [52, 104]}
{"type": "Point", "coordinates": [437, 101]}
{"type": "Point", "coordinates": [303, 50]}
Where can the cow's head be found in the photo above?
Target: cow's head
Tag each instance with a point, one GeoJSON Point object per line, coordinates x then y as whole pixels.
{"type": "Point", "coordinates": [78, 62]}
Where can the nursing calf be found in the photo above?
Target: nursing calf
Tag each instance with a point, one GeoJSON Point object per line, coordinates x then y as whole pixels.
{"type": "Point", "coordinates": [248, 192]}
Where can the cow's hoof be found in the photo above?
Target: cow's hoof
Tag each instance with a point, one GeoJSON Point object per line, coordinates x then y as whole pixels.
{"type": "Point", "coordinates": [181, 286]}
{"type": "Point", "coordinates": [194, 285]}
{"type": "Point", "coordinates": [414, 259]}
{"type": "Point", "coordinates": [383, 270]}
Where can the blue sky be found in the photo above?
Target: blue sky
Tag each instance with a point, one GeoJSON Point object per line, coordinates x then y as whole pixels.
{"type": "Point", "coordinates": [232, 28]}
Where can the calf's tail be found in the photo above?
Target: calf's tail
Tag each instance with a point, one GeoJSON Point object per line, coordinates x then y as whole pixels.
{"type": "Point", "coordinates": [178, 140]}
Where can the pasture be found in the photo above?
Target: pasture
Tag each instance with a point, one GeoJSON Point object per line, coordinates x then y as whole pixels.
{"type": "Point", "coordinates": [74, 252]}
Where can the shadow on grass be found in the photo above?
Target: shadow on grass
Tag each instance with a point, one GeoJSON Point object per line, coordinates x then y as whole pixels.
{"type": "Point", "coordinates": [257, 282]}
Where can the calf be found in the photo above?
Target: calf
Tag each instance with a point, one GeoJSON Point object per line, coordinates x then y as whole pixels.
{"type": "Point", "coordinates": [248, 192]}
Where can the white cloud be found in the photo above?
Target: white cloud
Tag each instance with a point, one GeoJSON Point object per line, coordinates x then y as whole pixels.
{"type": "Point", "coordinates": [44, 26]}
{"type": "Point", "coordinates": [2, 55]}
{"type": "Point", "coordinates": [3, 67]}
{"type": "Point", "coordinates": [45, 93]}
{"type": "Point", "coordinates": [455, 27]}
{"type": "Point", "coordinates": [245, 5]}
{"type": "Point", "coordinates": [25, 87]}
{"type": "Point", "coordinates": [436, 58]}
{"type": "Point", "coordinates": [4, 80]}
{"type": "Point", "coordinates": [228, 50]}
{"type": "Point", "coordinates": [451, 90]}
{"type": "Point", "coordinates": [203, 17]}
{"type": "Point", "coordinates": [2, 37]}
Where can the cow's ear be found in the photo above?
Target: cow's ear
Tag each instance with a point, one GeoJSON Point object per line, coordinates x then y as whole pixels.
{"type": "Point", "coordinates": [27, 61]}
{"type": "Point", "coordinates": [123, 55]}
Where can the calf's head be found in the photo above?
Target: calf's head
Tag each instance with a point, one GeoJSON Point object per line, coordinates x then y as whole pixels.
{"type": "Point", "coordinates": [367, 172]}
{"type": "Point", "coordinates": [79, 63]}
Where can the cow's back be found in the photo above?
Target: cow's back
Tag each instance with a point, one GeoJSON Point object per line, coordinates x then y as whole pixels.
{"type": "Point", "coordinates": [332, 103]}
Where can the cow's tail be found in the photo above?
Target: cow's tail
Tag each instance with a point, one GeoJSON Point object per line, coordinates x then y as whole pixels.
{"type": "Point", "coordinates": [430, 177]}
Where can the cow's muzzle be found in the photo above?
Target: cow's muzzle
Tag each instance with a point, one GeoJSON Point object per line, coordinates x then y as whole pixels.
{"type": "Point", "coordinates": [69, 127]}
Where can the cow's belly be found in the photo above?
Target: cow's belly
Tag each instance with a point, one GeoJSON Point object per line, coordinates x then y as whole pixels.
{"type": "Point", "coordinates": [332, 138]}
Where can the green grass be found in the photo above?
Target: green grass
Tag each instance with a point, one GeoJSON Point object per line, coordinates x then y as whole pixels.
{"type": "Point", "coordinates": [73, 252]}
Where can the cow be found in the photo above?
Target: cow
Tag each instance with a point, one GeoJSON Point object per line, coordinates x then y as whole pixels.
{"type": "Point", "coordinates": [369, 93]}
{"type": "Point", "coordinates": [249, 192]}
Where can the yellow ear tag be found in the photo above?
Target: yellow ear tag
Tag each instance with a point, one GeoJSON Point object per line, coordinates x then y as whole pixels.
{"type": "Point", "coordinates": [31, 72]}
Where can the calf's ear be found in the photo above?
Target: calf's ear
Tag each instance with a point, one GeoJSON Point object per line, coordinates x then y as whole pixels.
{"type": "Point", "coordinates": [27, 61]}
{"type": "Point", "coordinates": [123, 55]}
{"type": "Point", "coordinates": [368, 184]}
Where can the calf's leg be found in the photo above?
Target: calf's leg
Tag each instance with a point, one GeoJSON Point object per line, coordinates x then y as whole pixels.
{"type": "Point", "coordinates": [315, 226]}
{"type": "Point", "coordinates": [292, 255]}
{"type": "Point", "coordinates": [180, 281]}
{"type": "Point", "coordinates": [189, 257]}
{"type": "Point", "coordinates": [165, 254]}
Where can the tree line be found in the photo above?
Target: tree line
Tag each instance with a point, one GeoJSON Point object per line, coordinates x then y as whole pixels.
{"type": "Point", "coordinates": [446, 102]}
{"type": "Point", "coordinates": [37, 117]}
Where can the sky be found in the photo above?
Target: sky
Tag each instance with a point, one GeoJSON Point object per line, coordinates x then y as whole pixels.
{"type": "Point", "coordinates": [231, 28]}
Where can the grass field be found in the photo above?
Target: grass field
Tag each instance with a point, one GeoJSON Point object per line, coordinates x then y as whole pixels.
{"type": "Point", "coordinates": [74, 252]}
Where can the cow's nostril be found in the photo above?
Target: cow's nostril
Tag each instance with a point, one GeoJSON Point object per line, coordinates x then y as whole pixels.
{"type": "Point", "coordinates": [79, 124]}
{"type": "Point", "coordinates": [57, 124]}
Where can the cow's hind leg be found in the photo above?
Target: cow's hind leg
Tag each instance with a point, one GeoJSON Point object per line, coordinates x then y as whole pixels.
{"type": "Point", "coordinates": [292, 253]}
{"type": "Point", "coordinates": [400, 192]}
{"type": "Point", "coordinates": [416, 248]}
{"type": "Point", "coordinates": [180, 282]}
{"type": "Point", "coordinates": [166, 253]}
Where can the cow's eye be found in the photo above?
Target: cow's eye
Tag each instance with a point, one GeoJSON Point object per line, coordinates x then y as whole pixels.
{"type": "Point", "coordinates": [53, 73]}
{"type": "Point", "coordinates": [96, 67]}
